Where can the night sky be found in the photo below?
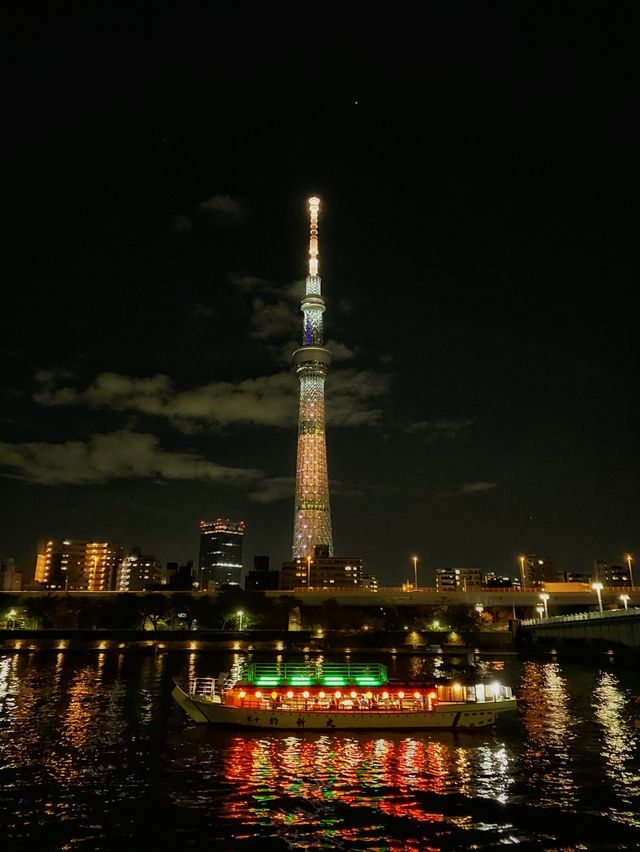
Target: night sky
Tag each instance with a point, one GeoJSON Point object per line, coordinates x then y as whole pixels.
{"type": "Point", "coordinates": [478, 208]}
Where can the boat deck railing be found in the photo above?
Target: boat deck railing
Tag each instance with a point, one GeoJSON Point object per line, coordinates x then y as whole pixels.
{"type": "Point", "coordinates": [205, 687]}
{"type": "Point", "coordinates": [311, 674]}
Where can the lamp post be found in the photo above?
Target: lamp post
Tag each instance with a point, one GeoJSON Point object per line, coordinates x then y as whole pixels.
{"type": "Point", "coordinates": [625, 600]}
{"type": "Point", "coordinates": [240, 615]}
{"type": "Point", "coordinates": [479, 609]}
{"type": "Point", "coordinates": [308, 571]}
{"type": "Point", "coordinates": [597, 587]}
{"type": "Point", "coordinates": [415, 572]}
{"type": "Point", "coordinates": [521, 558]}
{"type": "Point", "coordinates": [540, 608]}
{"type": "Point", "coordinates": [629, 559]}
{"type": "Point", "coordinates": [544, 597]}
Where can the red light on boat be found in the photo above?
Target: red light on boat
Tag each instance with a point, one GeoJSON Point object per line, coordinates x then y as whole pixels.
{"type": "Point", "coordinates": [432, 695]}
{"type": "Point", "coordinates": [274, 695]}
{"type": "Point", "coordinates": [305, 694]}
{"type": "Point", "coordinates": [242, 693]}
{"type": "Point", "coordinates": [290, 694]}
{"type": "Point", "coordinates": [385, 695]}
{"type": "Point", "coordinates": [354, 694]}
{"type": "Point", "coordinates": [258, 694]}
{"type": "Point", "coordinates": [321, 694]}
{"type": "Point", "coordinates": [369, 695]}
{"type": "Point", "coordinates": [401, 695]}
{"type": "Point", "coordinates": [337, 693]}
{"type": "Point", "coordinates": [416, 695]}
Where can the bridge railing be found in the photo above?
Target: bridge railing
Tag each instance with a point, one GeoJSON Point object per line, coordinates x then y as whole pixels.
{"type": "Point", "coordinates": [528, 590]}
{"type": "Point", "coordinates": [580, 616]}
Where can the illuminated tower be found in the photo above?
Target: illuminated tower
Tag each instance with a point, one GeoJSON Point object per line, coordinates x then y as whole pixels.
{"type": "Point", "coordinates": [312, 522]}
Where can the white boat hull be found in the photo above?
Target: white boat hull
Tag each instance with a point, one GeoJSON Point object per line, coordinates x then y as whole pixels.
{"type": "Point", "coordinates": [445, 716]}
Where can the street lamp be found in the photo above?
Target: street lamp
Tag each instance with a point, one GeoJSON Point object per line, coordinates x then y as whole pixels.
{"type": "Point", "coordinates": [540, 608]}
{"type": "Point", "coordinates": [597, 587]}
{"type": "Point", "coordinates": [521, 558]}
{"type": "Point", "coordinates": [415, 572]}
{"type": "Point", "coordinates": [479, 609]}
{"type": "Point", "coordinates": [625, 600]}
{"type": "Point", "coordinates": [544, 597]}
{"type": "Point", "coordinates": [629, 559]}
{"type": "Point", "coordinates": [240, 615]}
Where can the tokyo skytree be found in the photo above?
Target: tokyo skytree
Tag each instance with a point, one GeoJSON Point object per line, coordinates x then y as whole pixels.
{"type": "Point", "coordinates": [312, 522]}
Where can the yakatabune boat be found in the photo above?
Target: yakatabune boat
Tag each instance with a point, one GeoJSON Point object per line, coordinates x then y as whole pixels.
{"type": "Point", "coordinates": [334, 696]}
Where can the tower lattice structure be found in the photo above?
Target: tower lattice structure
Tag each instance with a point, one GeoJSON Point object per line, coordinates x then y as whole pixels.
{"type": "Point", "coordinates": [312, 522]}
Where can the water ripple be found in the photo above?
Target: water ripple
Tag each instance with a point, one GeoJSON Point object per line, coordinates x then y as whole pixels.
{"type": "Point", "coordinates": [96, 756]}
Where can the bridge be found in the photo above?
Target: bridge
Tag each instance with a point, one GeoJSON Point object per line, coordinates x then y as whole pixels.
{"type": "Point", "coordinates": [504, 597]}
{"type": "Point", "coordinates": [619, 627]}
{"type": "Point", "coordinates": [507, 598]}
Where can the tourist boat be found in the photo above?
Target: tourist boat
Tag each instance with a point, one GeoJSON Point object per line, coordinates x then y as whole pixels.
{"type": "Point", "coordinates": [334, 696]}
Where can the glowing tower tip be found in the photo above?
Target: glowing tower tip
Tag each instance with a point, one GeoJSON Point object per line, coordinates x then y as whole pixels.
{"type": "Point", "coordinates": [314, 204]}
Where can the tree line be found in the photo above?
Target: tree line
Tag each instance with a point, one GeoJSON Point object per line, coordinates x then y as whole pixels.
{"type": "Point", "coordinates": [230, 609]}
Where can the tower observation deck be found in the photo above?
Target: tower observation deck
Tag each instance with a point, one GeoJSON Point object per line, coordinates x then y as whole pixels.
{"type": "Point", "coordinates": [312, 519]}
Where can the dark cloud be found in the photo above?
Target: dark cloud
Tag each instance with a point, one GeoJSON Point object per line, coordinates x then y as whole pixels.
{"type": "Point", "coordinates": [471, 488]}
{"type": "Point", "coordinates": [477, 487]}
{"type": "Point", "coordinates": [118, 455]}
{"type": "Point", "coordinates": [224, 208]}
{"type": "Point", "coordinates": [263, 401]}
{"type": "Point", "coordinates": [273, 321]}
{"type": "Point", "coordinates": [274, 489]}
{"type": "Point", "coordinates": [435, 429]}
{"type": "Point", "coordinates": [200, 311]}
{"type": "Point", "coordinates": [181, 223]}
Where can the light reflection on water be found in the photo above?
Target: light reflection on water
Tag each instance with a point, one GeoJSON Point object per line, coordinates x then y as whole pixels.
{"type": "Point", "coordinates": [93, 749]}
{"type": "Point", "coordinates": [550, 733]}
{"type": "Point", "coordinates": [297, 786]}
{"type": "Point", "coordinates": [612, 709]}
{"type": "Point", "coordinates": [379, 773]}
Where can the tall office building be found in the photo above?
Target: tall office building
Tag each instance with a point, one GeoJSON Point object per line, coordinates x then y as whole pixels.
{"type": "Point", "coordinates": [89, 566]}
{"type": "Point", "coordinates": [220, 553]}
{"type": "Point", "coordinates": [312, 516]}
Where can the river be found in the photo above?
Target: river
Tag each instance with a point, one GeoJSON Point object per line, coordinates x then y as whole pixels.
{"type": "Point", "coordinates": [95, 755]}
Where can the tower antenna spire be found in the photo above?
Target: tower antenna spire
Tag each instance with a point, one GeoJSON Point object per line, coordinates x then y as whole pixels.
{"type": "Point", "coordinates": [314, 204]}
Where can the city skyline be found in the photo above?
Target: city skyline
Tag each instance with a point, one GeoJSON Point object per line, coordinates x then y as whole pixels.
{"type": "Point", "coordinates": [476, 236]}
